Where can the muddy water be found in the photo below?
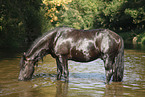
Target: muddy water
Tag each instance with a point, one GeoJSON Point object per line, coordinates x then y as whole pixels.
{"type": "Point", "coordinates": [85, 79]}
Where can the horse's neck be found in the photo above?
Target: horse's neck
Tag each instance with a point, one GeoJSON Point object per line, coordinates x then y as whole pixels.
{"type": "Point", "coordinates": [41, 47]}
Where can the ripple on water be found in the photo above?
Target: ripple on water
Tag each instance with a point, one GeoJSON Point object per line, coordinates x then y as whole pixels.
{"type": "Point", "coordinates": [85, 79]}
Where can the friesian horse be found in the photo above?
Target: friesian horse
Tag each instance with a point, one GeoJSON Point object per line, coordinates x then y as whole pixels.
{"type": "Point", "coordinates": [64, 43]}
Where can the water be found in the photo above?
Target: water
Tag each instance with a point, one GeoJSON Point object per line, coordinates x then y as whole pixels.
{"type": "Point", "coordinates": [85, 79]}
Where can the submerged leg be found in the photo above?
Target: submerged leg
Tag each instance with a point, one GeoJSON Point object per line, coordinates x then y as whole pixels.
{"type": "Point", "coordinates": [118, 74]}
{"type": "Point", "coordinates": [108, 64]}
{"type": "Point", "coordinates": [66, 71]}
{"type": "Point", "coordinates": [59, 69]}
{"type": "Point", "coordinates": [62, 67]}
{"type": "Point", "coordinates": [109, 74]}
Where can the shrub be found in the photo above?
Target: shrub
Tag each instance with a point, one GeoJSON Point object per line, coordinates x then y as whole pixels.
{"type": "Point", "coordinates": [143, 40]}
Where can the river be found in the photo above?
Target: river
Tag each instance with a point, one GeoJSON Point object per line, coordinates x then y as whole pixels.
{"type": "Point", "coordinates": [85, 79]}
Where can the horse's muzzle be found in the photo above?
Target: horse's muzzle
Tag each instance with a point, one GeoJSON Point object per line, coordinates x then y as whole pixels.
{"type": "Point", "coordinates": [20, 79]}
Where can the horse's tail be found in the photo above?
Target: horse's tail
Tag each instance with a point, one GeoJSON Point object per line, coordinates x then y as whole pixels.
{"type": "Point", "coordinates": [119, 64]}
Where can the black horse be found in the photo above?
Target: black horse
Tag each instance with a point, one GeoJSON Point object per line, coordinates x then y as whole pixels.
{"type": "Point", "coordinates": [64, 43]}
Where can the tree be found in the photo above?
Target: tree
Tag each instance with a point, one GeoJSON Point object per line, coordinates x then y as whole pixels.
{"type": "Point", "coordinates": [124, 15]}
{"type": "Point", "coordinates": [20, 21]}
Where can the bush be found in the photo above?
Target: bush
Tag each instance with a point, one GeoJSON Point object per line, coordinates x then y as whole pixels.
{"type": "Point", "coordinates": [23, 21]}
{"type": "Point", "coordinates": [143, 40]}
{"type": "Point", "coordinates": [20, 22]}
{"type": "Point", "coordinates": [117, 15]}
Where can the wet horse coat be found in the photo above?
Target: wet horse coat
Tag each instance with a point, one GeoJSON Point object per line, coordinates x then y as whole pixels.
{"type": "Point", "coordinates": [65, 43]}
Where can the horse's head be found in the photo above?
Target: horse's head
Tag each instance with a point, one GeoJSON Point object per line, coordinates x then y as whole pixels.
{"type": "Point", "coordinates": [26, 68]}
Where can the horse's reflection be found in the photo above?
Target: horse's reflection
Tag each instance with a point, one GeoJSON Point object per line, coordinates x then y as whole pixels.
{"type": "Point", "coordinates": [61, 89]}
{"type": "Point", "coordinates": [114, 89]}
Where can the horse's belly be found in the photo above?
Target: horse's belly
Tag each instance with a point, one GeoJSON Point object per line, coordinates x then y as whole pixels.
{"type": "Point", "coordinates": [84, 55]}
{"type": "Point", "coordinates": [84, 51]}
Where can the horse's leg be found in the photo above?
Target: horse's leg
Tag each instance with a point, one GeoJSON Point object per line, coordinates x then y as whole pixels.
{"type": "Point", "coordinates": [118, 71]}
{"type": "Point", "coordinates": [108, 64]}
{"type": "Point", "coordinates": [66, 71]}
{"type": "Point", "coordinates": [62, 67]}
{"type": "Point", "coordinates": [59, 68]}
{"type": "Point", "coordinates": [119, 67]}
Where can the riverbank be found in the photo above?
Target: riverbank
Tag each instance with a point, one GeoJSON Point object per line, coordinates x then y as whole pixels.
{"type": "Point", "coordinates": [134, 37]}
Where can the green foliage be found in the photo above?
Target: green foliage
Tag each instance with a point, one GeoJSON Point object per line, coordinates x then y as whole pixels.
{"type": "Point", "coordinates": [23, 21]}
{"type": "Point", "coordinates": [20, 22]}
{"type": "Point", "coordinates": [117, 15]}
{"type": "Point", "coordinates": [143, 40]}
{"type": "Point", "coordinates": [80, 14]}
{"type": "Point", "coordinates": [120, 15]}
{"type": "Point", "coordinates": [112, 14]}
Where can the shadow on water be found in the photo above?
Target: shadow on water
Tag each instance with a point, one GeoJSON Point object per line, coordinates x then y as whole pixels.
{"type": "Point", "coordinates": [85, 79]}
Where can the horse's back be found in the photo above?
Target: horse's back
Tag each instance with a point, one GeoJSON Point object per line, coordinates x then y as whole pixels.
{"type": "Point", "coordinates": [78, 45]}
{"type": "Point", "coordinates": [86, 45]}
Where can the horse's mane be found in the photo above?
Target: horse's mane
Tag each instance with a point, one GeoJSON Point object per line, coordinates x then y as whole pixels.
{"type": "Point", "coordinates": [38, 41]}
{"type": "Point", "coordinates": [42, 39]}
